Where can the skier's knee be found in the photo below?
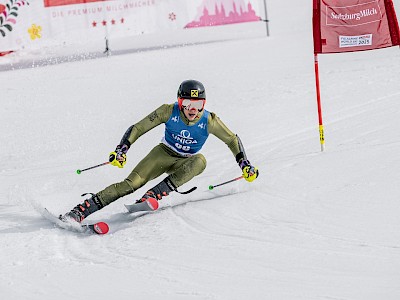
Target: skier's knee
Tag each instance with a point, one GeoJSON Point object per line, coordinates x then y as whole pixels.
{"type": "Point", "coordinates": [135, 181]}
{"type": "Point", "coordinates": [199, 164]}
{"type": "Point", "coordinates": [114, 192]}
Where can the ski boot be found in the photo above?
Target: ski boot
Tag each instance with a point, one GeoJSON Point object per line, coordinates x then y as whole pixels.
{"type": "Point", "coordinates": [81, 211]}
{"type": "Point", "coordinates": [149, 201]}
{"type": "Point", "coordinates": [160, 190]}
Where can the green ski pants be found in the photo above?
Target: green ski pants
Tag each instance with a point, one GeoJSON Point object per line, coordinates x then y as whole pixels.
{"type": "Point", "coordinates": [160, 160]}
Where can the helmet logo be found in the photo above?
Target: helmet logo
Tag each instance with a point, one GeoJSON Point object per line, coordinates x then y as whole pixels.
{"type": "Point", "coordinates": [194, 93]}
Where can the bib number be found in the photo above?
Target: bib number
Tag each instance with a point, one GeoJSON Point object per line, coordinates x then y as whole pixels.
{"type": "Point", "coordinates": [182, 147]}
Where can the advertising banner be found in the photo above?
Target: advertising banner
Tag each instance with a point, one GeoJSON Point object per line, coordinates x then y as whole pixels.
{"type": "Point", "coordinates": [348, 26]}
{"type": "Point", "coordinates": [354, 25]}
{"type": "Point", "coordinates": [30, 24]}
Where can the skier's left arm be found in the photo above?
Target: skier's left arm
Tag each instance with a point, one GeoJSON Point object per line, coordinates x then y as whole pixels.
{"type": "Point", "coordinates": [221, 131]}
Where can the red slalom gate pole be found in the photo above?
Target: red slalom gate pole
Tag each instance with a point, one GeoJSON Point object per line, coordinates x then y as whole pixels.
{"type": "Point", "coordinates": [321, 126]}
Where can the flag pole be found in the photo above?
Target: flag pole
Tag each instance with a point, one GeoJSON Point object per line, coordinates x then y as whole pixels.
{"type": "Point", "coordinates": [321, 126]}
{"type": "Point", "coordinates": [266, 17]}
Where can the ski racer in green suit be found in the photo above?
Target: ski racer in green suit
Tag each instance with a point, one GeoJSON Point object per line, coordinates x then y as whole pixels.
{"type": "Point", "coordinates": [187, 126]}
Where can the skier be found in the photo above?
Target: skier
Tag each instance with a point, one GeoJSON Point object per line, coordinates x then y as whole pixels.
{"type": "Point", "coordinates": [187, 126]}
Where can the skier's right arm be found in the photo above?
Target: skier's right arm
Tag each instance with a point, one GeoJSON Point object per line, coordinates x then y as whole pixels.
{"type": "Point", "coordinates": [157, 117]}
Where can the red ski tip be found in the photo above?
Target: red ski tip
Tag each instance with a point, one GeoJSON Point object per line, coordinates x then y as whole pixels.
{"type": "Point", "coordinates": [153, 203]}
{"type": "Point", "coordinates": [101, 228]}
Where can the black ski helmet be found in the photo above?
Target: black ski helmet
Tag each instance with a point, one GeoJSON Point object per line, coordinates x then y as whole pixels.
{"type": "Point", "coordinates": [191, 89]}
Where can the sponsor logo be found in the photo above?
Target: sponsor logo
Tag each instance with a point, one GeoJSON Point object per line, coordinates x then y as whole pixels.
{"type": "Point", "coordinates": [194, 93]}
{"type": "Point", "coordinates": [353, 15]}
{"type": "Point", "coordinates": [202, 125]}
{"type": "Point", "coordinates": [153, 116]}
{"type": "Point", "coordinates": [184, 138]}
{"type": "Point", "coordinates": [175, 119]}
{"type": "Point", "coordinates": [355, 41]}
{"type": "Point", "coordinates": [98, 229]}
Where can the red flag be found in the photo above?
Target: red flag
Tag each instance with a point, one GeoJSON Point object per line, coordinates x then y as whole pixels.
{"type": "Point", "coordinates": [354, 25]}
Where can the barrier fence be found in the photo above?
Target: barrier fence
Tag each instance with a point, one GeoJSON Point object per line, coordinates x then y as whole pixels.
{"type": "Point", "coordinates": [34, 24]}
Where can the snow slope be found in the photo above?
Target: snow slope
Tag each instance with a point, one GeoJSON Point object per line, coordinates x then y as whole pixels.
{"type": "Point", "coordinates": [312, 226]}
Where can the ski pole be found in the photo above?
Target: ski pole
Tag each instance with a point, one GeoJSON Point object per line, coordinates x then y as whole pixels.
{"type": "Point", "coordinates": [103, 164]}
{"type": "Point", "coordinates": [229, 181]}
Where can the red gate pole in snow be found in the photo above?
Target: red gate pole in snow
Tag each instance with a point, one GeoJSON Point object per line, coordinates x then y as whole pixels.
{"type": "Point", "coordinates": [349, 26]}
{"type": "Point", "coordinates": [321, 125]}
{"type": "Point", "coordinates": [318, 49]}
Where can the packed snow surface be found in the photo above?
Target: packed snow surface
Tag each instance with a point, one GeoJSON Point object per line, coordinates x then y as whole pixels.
{"type": "Point", "coordinates": [314, 225]}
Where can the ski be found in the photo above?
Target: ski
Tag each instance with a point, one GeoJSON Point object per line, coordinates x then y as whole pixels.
{"type": "Point", "coordinates": [96, 228]}
{"type": "Point", "coordinates": [100, 228]}
{"type": "Point", "coordinates": [150, 204]}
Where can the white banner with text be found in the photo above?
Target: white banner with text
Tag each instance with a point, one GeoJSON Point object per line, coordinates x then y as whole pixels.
{"type": "Point", "coordinates": [32, 24]}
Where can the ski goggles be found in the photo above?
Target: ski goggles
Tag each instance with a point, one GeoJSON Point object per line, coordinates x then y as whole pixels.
{"type": "Point", "coordinates": [192, 103]}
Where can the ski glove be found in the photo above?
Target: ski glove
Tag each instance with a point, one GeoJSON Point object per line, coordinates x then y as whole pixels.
{"type": "Point", "coordinates": [250, 172]}
{"type": "Point", "coordinates": [118, 157]}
